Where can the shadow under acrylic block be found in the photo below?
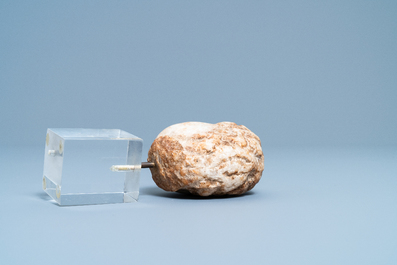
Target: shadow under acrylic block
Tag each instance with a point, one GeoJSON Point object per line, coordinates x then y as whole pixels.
{"type": "Point", "coordinates": [78, 162]}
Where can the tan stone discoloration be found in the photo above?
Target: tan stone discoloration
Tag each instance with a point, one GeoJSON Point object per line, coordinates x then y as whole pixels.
{"type": "Point", "coordinates": [207, 159]}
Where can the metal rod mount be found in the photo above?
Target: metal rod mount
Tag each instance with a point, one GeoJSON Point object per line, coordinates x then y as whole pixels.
{"type": "Point", "coordinates": [147, 165]}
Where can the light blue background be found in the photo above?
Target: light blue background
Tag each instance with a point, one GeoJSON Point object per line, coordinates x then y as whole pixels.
{"type": "Point", "coordinates": [294, 72]}
{"type": "Point", "coordinates": [315, 80]}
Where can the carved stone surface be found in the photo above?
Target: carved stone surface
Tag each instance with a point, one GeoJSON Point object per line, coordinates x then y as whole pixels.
{"type": "Point", "coordinates": [207, 159]}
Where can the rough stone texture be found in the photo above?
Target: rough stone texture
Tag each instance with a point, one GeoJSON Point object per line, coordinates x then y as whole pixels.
{"type": "Point", "coordinates": [207, 159]}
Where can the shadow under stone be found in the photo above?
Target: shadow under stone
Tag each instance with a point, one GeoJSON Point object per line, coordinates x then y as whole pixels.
{"type": "Point", "coordinates": [155, 191]}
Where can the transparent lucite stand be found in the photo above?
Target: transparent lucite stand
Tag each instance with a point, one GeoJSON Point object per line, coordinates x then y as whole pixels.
{"type": "Point", "coordinates": [92, 166]}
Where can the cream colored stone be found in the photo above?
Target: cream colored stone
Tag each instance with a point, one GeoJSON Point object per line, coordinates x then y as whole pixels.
{"type": "Point", "coordinates": [207, 159]}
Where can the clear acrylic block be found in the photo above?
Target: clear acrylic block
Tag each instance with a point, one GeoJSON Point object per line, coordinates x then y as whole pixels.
{"type": "Point", "coordinates": [78, 162]}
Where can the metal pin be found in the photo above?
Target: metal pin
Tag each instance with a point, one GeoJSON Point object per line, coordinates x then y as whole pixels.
{"type": "Point", "coordinates": [148, 165]}
{"type": "Point", "coordinates": [123, 168]}
{"type": "Point", "coordinates": [126, 168]}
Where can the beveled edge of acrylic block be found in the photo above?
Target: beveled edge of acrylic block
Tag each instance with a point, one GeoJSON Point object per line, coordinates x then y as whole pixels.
{"type": "Point", "coordinates": [93, 134]}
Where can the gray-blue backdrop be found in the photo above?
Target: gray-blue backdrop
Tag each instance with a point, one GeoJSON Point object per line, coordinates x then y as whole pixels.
{"type": "Point", "coordinates": [297, 73]}
{"type": "Point", "coordinates": [294, 72]}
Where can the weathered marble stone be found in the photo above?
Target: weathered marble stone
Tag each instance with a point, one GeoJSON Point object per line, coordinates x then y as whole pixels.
{"type": "Point", "coordinates": [207, 159]}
